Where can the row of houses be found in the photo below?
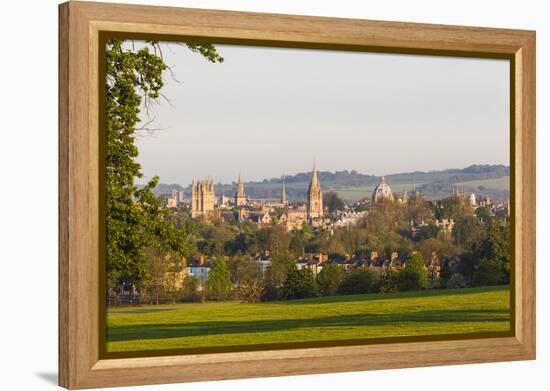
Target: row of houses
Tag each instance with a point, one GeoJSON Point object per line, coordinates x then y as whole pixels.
{"type": "Point", "coordinates": [317, 261]}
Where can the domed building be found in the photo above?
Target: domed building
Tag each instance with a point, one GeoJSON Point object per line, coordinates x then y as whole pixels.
{"type": "Point", "coordinates": [382, 192]}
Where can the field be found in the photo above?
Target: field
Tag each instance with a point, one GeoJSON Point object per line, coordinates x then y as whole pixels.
{"type": "Point", "coordinates": [379, 315]}
{"type": "Point", "coordinates": [502, 183]}
{"type": "Point", "coordinates": [355, 193]}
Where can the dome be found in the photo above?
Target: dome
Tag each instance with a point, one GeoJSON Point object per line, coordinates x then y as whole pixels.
{"type": "Point", "coordinates": [382, 191]}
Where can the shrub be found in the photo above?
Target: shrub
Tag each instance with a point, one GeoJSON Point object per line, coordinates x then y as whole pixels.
{"type": "Point", "coordinates": [300, 284]}
{"type": "Point", "coordinates": [413, 276]}
{"type": "Point", "coordinates": [252, 292]}
{"type": "Point", "coordinates": [329, 279]}
{"type": "Point", "coordinates": [271, 292]}
{"type": "Point", "coordinates": [488, 272]}
{"type": "Point", "coordinates": [359, 281]}
{"type": "Point", "coordinates": [389, 282]}
{"type": "Point", "coordinates": [457, 280]}
{"type": "Point", "coordinates": [191, 289]}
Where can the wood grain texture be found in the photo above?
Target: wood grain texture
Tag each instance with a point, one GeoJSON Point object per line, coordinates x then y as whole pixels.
{"type": "Point", "coordinates": [80, 24]}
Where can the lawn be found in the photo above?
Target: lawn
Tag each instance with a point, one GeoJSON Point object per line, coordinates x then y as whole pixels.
{"type": "Point", "coordinates": [217, 324]}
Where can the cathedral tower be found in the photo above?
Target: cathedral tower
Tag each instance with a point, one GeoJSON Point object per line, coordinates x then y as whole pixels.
{"type": "Point", "coordinates": [202, 198]}
{"type": "Point", "coordinates": [314, 196]}
{"type": "Point", "coordinates": [240, 196]}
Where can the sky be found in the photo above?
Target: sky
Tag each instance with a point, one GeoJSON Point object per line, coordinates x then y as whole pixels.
{"type": "Point", "coordinates": [269, 112]}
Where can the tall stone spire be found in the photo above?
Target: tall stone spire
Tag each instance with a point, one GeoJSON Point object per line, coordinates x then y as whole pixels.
{"type": "Point", "coordinates": [314, 179]}
{"type": "Point", "coordinates": [240, 196]}
{"type": "Point", "coordinates": [315, 198]}
{"type": "Point", "coordinates": [283, 193]}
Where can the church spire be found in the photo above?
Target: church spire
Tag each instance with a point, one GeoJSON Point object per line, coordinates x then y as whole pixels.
{"type": "Point", "coordinates": [283, 193]}
{"type": "Point", "coordinates": [315, 198]}
{"type": "Point", "coordinates": [314, 179]}
{"type": "Point", "coordinates": [240, 196]}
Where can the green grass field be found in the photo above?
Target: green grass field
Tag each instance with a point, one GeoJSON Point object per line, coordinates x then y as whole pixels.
{"type": "Point", "coordinates": [355, 193]}
{"type": "Point", "coordinates": [214, 324]}
{"type": "Point", "coordinates": [502, 183]}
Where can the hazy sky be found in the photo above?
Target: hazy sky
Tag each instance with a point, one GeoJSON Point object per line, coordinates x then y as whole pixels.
{"type": "Point", "coordinates": [269, 112]}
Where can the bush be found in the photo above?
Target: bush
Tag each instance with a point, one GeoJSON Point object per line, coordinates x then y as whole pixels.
{"type": "Point", "coordinates": [359, 281]}
{"type": "Point", "coordinates": [488, 272]}
{"type": "Point", "coordinates": [191, 289]}
{"type": "Point", "coordinates": [456, 281]}
{"type": "Point", "coordinates": [271, 292]}
{"type": "Point", "coordinates": [218, 283]}
{"type": "Point", "coordinates": [300, 284]}
{"type": "Point", "coordinates": [413, 276]}
{"type": "Point", "coordinates": [252, 292]}
{"type": "Point", "coordinates": [389, 282]}
{"type": "Point", "coordinates": [329, 279]}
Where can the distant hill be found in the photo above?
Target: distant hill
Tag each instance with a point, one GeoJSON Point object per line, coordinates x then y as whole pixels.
{"type": "Point", "coordinates": [491, 180]}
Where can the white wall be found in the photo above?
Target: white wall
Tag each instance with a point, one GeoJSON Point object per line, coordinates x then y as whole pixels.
{"type": "Point", "coordinates": [28, 195]}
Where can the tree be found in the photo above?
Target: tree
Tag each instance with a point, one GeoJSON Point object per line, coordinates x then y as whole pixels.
{"type": "Point", "coordinates": [494, 246]}
{"type": "Point", "coordinates": [359, 281]}
{"type": "Point", "coordinates": [483, 213]}
{"type": "Point", "coordinates": [300, 284]}
{"type": "Point", "coordinates": [332, 201]}
{"type": "Point", "coordinates": [218, 283]}
{"type": "Point", "coordinates": [467, 231]}
{"type": "Point", "coordinates": [239, 245]}
{"type": "Point", "coordinates": [277, 273]}
{"type": "Point", "coordinates": [275, 239]}
{"type": "Point", "coordinates": [329, 279]}
{"type": "Point", "coordinates": [442, 248]}
{"type": "Point", "coordinates": [488, 272]}
{"type": "Point", "coordinates": [244, 270]}
{"type": "Point", "coordinates": [191, 285]}
{"type": "Point", "coordinates": [135, 219]}
{"type": "Point", "coordinates": [428, 232]}
{"type": "Point", "coordinates": [418, 210]}
{"type": "Point", "coordinates": [451, 208]}
{"type": "Point", "coordinates": [413, 276]}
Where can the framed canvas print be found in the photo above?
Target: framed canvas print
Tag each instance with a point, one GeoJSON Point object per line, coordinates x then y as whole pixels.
{"type": "Point", "coordinates": [247, 195]}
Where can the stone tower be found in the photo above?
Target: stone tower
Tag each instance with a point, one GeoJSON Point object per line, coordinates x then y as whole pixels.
{"type": "Point", "coordinates": [314, 196]}
{"type": "Point", "coordinates": [240, 196]}
{"type": "Point", "coordinates": [203, 198]}
{"type": "Point", "coordinates": [283, 193]}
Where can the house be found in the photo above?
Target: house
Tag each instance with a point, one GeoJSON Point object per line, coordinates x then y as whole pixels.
{"type": "Point", "coordinates": [199, 270]}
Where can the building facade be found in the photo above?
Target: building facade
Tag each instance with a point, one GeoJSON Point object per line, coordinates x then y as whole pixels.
{"type": "Point", "coordinates": [203, 198]}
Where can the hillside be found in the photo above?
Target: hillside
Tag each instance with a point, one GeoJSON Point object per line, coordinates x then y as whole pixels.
{"type": "Point", "coordinates": [491, 180]}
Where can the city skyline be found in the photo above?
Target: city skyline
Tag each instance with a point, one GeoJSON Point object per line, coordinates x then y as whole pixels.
{"type": "Point", "coordinates": [270, 112]}
{"type": "Point", "coordinates": [242, 173]}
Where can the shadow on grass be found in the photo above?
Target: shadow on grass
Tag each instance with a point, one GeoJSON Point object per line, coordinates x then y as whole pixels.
{"type": "Point", "coordinates": [192, 329]}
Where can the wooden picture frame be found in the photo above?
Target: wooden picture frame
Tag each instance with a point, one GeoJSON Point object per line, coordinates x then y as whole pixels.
{"type": "Point", "coordinates": [80, 26]}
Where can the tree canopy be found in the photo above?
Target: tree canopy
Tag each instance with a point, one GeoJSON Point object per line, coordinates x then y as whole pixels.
{"type": "Point", "coordinates": [135, 219]}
